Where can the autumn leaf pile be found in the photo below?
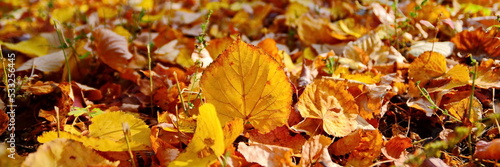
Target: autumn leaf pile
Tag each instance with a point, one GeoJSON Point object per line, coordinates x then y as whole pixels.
{"type": "Point", "coordinates": [252, 83]}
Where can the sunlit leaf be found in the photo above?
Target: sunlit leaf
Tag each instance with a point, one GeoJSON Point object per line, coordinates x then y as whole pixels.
{"type": "Point", "coordinates": [266, 155]}
{"type": "Point", "coordinates": [250, 85]}
{"type": "Point", "coordinates": [106, 134]}
{"type": "Point", "coordinates": [427, 66]}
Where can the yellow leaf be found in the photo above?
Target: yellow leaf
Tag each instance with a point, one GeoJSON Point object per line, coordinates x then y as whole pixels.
{"type": "Point", "coordinates": [63, 14]}
{"type": "Point", "coordinates": [107, 134]}
{"type": "Point", "coordinates": [217, 46]}
{"type": "Point", "coordinates": [460, 108]}
{"type": "Point", "coordinates": [146, 4]}
{"type": "Point", "coordinates": [34, 47]}
{"type": "Point", "coordinates": [328, 103]}
{"type": "Point", "coordinates": [105, 128]}
{"type": "Point", "coordinates": [65, 152]}
{"type": "Point", "coordinates": [107, 12]}
{"type": "Point", "coordinates": [208, 140]}
{"type": "Point", "coordinates": [455, 77]}
{"type": "Point", "coordinates": [244, 82]}
{"type": "Point", "coordinates": [232, 130]}
{"type": "Point", "coordinates": [122, 31]}
{"type": "Point", "coordinates": [427, 66]}
{"type": "Point", "coordinates": [293, 12]}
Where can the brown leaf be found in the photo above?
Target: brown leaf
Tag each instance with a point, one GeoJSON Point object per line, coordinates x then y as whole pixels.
{"type": "Point", "coordinates": [112, 49]}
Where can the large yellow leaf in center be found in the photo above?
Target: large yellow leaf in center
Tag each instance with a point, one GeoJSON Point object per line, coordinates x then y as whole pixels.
{"type": "Point", "coordinates": [244, 82]}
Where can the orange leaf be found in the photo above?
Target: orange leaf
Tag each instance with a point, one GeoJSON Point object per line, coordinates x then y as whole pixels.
{"type": "Point", "coordinates": [478, 42]}
{"type": "Point", "coordinates": [397, 145]}
{"type": "Point", "coordinates": [364, 146]}
{"type": "Point", "coordinates": [280, 136]}
{"type": "Point", "coordinates": [329, 105]}
{"type": "Point", "coordinates": [244, 82]}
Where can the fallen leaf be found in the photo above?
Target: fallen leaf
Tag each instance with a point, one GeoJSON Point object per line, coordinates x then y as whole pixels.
{"type": "Point", "coordinates": [479, 43]}
{"type": "Point", "coordinates": [207, 143]}
{"type": "Point", "coordinates": [266, 155]}
{"type": "Point", "coordinates": [363, 145]}
{"type": "Point", "coordinates": [396, 146]}
{"type": "Point", "coordinates": [280, 136]}
{"type": "Point", "coordinates": [488, 74]}
{"type": "Point", "coordinates": [52, 62]}
{"type": "Point", "coordinates": [426, 67]}
{"type": "Point", "coordinates": [112, 49]}
{"type": "Point", "coordinates": [33, 47]}
{"type": "Point", "coordinates": [65, 152]}
{"type": "Point", "coordinates": [315, 152]}
{"type": "Point", "coordinates": [106, 134]}
{"type": "Point", "coordinates": [327, 104]}
{"type": "Point", "coordinates": [251, 85]}
{"type": "Point", "coordinates": [460, 109]}
{"type": "Point", "coordinates": [315, 31]}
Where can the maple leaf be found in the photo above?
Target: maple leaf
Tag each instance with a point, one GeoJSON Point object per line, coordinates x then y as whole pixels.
{"type": "Point", "coordinates": [244, 82]}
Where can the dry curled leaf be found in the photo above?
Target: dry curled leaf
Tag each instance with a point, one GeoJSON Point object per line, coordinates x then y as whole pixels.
{"type": "Point", "coordinates": [266, 155]}
{"type": "Point", "coordinates": [244, 82]}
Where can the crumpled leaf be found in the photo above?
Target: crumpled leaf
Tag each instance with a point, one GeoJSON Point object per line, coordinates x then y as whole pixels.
{"type": "Point", "coordinates": [207, 143]}
{"type": "Point", "coordinates": [315, 31]}
{"type": "Point", "coordinates": [488, 150]}
{"type": "Point", "coordinates": [326, 104]}
{"type": "Point", "coordinates": [112, 49]}
{"type": "Point", "coordinates": [106, 134]}
{"type": "Point", "coordinates": [370, 50]}
{"type": "Point", "coordinates": [363, 145]}
{"type": "Point", "coordinates": [33, 47]}
{"type": "Point", "coordinates": [250, 85]}
{"type": "Point", "coordinates": [266, 155]}
{"type": "Point", "coordinates": [315, 152]}
{"type": "Point", "coordinates": [65, 152]}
